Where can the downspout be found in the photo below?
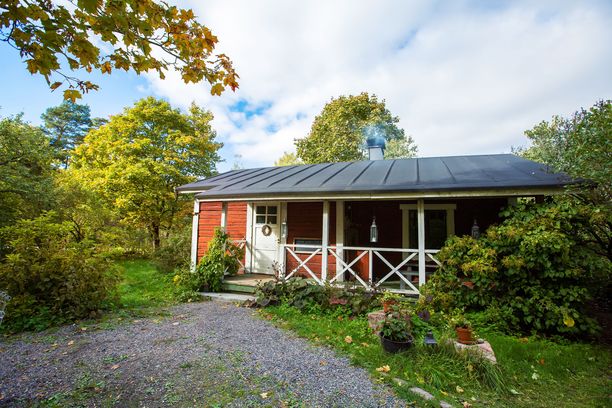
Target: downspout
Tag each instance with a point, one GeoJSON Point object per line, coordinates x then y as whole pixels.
{"type": "Point", "coordinates": [194, 235]}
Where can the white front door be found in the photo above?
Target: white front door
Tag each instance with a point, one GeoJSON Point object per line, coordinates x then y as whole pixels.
{"type": "Point", "coordinates": [266, 234]}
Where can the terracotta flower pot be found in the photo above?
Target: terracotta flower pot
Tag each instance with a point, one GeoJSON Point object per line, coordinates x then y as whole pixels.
{"type": "Point", "coordinates": [464, 335]}
{"type": "Point", "coordinates": [387, 304]}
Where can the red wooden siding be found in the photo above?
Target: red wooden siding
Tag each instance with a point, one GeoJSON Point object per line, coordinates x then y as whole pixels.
{"type": "Point", "coordinates": [236, 220]}
{"type": "Point", "coordinates": [305, 220]}
{"type": "Point", "coordinates": [210, 218]}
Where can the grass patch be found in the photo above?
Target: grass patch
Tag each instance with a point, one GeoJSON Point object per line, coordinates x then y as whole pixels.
{"type": "Point", "coordinates": [143, 285]}
{"type": "Point", "coordinates": [531, 372]}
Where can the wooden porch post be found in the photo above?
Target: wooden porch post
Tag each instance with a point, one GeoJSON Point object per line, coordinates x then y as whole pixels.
{"type": "Point", "coordinates": [325, 240]}
{"type": "Point", "coordinates": [421, 235]}
{"type": "Point", "coordinates": [339, 236]}
{"type": "Point", "coordinates": [194, 235]}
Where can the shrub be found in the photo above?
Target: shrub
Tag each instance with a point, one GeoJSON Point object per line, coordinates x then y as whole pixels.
{"type": "Point", "coordinates": [534, 270]}
{"type": "Point", "coordinates": [51, 277]}
{"type": "Point", "coordinates": [174, 252]}
{"type": "Point", "coordinates": [222, 258]}
{"type": "Point", "coordinates": [303, 295]}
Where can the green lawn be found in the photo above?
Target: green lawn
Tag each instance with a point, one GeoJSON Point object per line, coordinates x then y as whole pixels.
{"type": "Point", "coordinates": [142, 286]}
{"type": "Point", "coordinates": [530, 373]}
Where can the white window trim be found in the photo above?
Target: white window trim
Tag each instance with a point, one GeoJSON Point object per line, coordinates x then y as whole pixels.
{"type": "Point", "coordinates": [450, 219]}
{"type": "Point", "coordinates": [311, 250]}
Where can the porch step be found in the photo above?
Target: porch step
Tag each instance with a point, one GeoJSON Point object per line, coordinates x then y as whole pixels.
{"type": "Point", "coordinates": [236, 287]}
{"type": "Point", "coordinates": [227, 297]}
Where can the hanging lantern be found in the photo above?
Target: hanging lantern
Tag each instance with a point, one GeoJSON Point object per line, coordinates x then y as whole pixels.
{"type": "Point", "coordinates": [373, 231]}
{"type": "Point", "coordinates": [430, 340]}
{"type": "Point", "coordinates": [284, 229]}
{"type": "Point", "coordinates": [475, 230]}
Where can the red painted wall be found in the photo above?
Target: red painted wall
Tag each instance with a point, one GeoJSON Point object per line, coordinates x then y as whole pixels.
{"type": "Point", "coordinates": [210, 218]}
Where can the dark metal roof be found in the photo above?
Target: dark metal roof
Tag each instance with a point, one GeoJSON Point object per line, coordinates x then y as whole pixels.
{"type": "Point", "coordinates": [429, 174]}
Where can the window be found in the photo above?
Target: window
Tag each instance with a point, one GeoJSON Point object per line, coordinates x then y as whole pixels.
{"type": "Point", "coordinates": [306, 241]}
{"type": "Point", "coordinates": [266, 214]}
{"type": "Point", "coordinates": [435, 229]}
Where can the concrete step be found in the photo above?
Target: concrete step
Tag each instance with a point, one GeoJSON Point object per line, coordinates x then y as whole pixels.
{"type": "Point", "coordinates": [227, 297]}
{"type": "Point", "coordinates": [236, 287]}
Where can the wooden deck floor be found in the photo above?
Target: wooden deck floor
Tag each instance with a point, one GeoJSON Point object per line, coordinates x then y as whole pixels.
{"type": "Point", "coordinates": [248, 279]}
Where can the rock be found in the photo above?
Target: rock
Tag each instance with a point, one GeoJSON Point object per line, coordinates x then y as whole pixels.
{"type": "Point", "coordinates": [483, 348]}
{"type": "Point", "coordinates": [375, 320]}
{"type": "Point", "coordinates": [399, 381]}
{"type": "Point", "coordinates": [444, 404]}
{"type": "Point", "coordinates": [422, 393]}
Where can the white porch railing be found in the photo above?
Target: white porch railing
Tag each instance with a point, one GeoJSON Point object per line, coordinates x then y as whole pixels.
{"type": "Point", "coordinates": [398, 270]}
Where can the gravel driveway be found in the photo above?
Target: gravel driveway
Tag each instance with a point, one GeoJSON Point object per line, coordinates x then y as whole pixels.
{"type": "Point", "coordinates": [204, 354]}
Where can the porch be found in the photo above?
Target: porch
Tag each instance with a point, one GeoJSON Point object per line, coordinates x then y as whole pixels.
{"type": "Point", "coordinates": [374, 244]}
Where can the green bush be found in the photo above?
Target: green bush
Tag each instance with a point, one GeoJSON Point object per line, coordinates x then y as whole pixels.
{"type": "Point", "coordinates": [51, 277]}
{"type": "Point", "coordinates": [301, 294]}
{"type": "Point", "coordinates": [222, 258]}
{"type": "Point", "coordinates": [534, 271]}
{"type": "Point", "coordinates": [174, 252]}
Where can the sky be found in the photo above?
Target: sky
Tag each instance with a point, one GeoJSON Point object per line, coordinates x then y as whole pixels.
{"type": "Point", "coordinates": [464, 77]}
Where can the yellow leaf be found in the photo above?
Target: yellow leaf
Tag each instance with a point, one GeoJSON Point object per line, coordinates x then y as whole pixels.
{"type": "Point", "coordinates": [348, 339]}
{"type": "Point", "coordinates": [72, 95]}
{"type": "Point", "coordinates": [217, 89]}
{"type": "Point", "coordinates": [459, 389]}
{"type": "Point", "coordinates": [55, 85]}
{"type": "Point", "coordinates": [383, 369]}
{"type": "Point", "coordinates": [568, 321]}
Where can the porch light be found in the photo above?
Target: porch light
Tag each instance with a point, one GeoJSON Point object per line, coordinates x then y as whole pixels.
{"type": "Point", "coordinates": [373, 231]}
{"type": "Point", "coordinates": [475, 230]}
{"type": "Point", "coordinates": [284, 229]}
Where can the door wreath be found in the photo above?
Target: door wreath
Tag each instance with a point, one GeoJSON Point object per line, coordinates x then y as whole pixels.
{"type": "Point", "coordinates": [266, 230]}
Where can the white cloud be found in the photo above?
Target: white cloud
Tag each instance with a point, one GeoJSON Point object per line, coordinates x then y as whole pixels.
{"type": "Point", "coordinates": [463, 77]}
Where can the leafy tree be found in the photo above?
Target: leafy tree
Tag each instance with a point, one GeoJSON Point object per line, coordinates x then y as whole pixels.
{"type": "Point", "coordinates": [403, 148]}
{"type": "Point", "coordinates": [25, 170]}
{"type": "Point", "coordinates": [581, 146]}
{"type": "Point", "coordinates": [337, 134]}
{"type": "Point", "coordinates": [144, 35]}
{"type": "Point", "coordinates": [288, 159]}
{"type": "Point", "coordinates": [140, 156]}
{"type": "Point", "coordinates": [66, 125]}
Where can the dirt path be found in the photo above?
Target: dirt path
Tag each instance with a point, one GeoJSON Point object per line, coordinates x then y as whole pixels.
{"type": "Point", "coordinates": [205, 354]}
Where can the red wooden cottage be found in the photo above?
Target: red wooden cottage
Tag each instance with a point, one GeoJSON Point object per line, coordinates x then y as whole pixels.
{"type": "Point", "coordinates": [378, 223]}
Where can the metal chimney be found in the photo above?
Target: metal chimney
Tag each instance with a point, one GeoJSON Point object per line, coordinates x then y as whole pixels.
{"type": "Point", "coordinates": [376, 147]}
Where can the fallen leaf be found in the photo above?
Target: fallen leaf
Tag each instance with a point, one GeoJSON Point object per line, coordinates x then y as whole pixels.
{"type": "Point", "coordinates": [175, 323]}
{"type": "Point", "coordinates": [470, 367]}
{"type": "Point", "coordinates": [466, 404]}
{"type": "Point", "coordinates": [340, 318]}
{"type": "Point", "coordinates": [114, 367]}
{"type": "Point", "coordinates": [71, 342]}
{"type": "Point", "coordinates": [459, 389]}
{"type": "Point", "coordinates": [383, 369]}
{"type": "Point", "coordinates": [264, 395]}
{"type": "Point", "coordinates": [443, 392]}
{"type": "Point", "coordinates": [83, 328]}
{"type": "Point", "coordinates": [365, 344]}
{"type": "Point", "coordinates": [322, 362]}
{"type": "Point", "coordinates": [524, 340]}
{"type": "Point", "coordinates": [541, 362]}
{"type": "Point", "coordinates": [515, 392]}
{"type": "Point", "coordinates": [348, 339]}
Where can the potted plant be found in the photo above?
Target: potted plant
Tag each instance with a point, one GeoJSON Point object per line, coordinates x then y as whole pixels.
{"type": "Point", "coordinates": [463, 329]}
{"type": "Point", "coordinates": [389, 299]}
{"type": "Point", "coordinates": [395, 335]}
